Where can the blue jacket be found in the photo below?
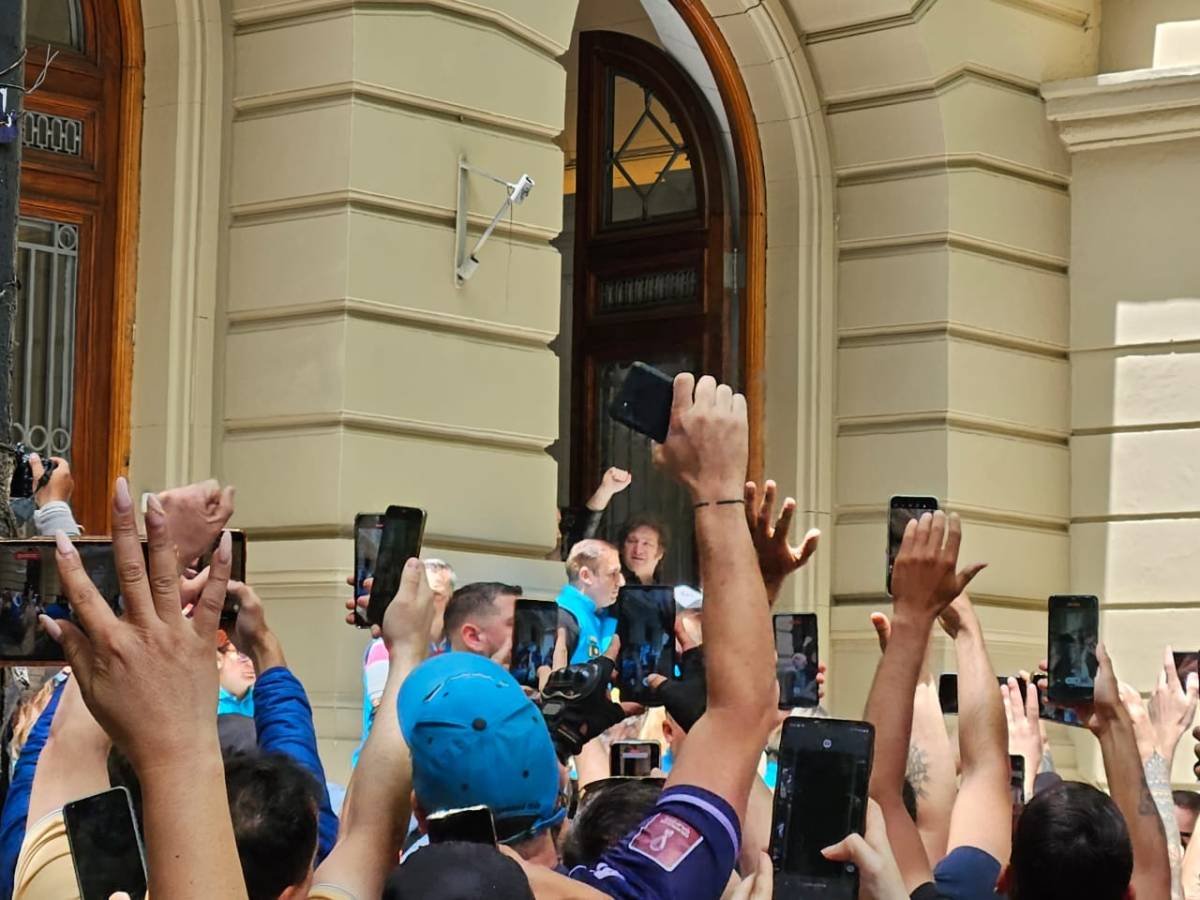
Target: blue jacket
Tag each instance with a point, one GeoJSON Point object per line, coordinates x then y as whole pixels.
{"type": "Point", "coordinates": [285, 725]}
{"type": "Point", "coordinates": [596, 626]}
{"type": "Point", "coordinates": [13, 819]}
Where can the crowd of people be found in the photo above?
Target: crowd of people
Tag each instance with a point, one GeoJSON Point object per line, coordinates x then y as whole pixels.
{"type": "Point", "coordinates": [232, 800]}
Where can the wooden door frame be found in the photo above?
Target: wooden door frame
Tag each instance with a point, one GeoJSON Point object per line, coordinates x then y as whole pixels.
{"type": "Point", "coordinates": [751, 173]}
{"type": "Point", "coordinates": [114, 32]}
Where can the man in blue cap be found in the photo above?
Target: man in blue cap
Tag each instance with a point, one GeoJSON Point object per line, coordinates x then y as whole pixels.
{"type": "Point", "coordinates": [477, 739]}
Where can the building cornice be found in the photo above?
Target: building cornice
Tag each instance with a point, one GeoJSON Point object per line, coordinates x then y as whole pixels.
{"type": "Point", "coordinates": [1125, 108]}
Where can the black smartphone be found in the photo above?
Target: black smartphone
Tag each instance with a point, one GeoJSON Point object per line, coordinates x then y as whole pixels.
{"type": "Point", "coordinates": [796, 659]}
{"type": "Point", "coordinates": [237, 572]}
{"type": "Point", "coordinates": [1017, 781]}
{"type": "Point", "coordinates": [634, 759]}
{"type": "Point", "coordinates": [1073, 634]}
{"type": "Point", "coordinates": [644, 401]}
{"type": "Point", "coordinates": [1187, 664]}
{"type": "Point", "coordinates": [368, 531]}
{"type": "Point", "coordinates": [646, 627]}
{"type": "Point", "coordinates": [902, 509]}
{"type": "Point", "coordinates": [948, 691]}
{"type": "Point", "coordinates": [403, 531]}
{"type": "Point", "coordinates": [29, 586]}
{"type": "Point", "coordinates": [106, 848]}
{"type": "Point", "coordinates": [535, 628]}
{"type": "Point", "coordinates": [820, 797]}
{"type": "Point", "coordinates": [472, 824]}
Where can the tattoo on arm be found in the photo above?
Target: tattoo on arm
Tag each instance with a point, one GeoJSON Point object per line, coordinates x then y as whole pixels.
{"type": "Point", "coordinates": [917, 771]}
{"type": "Point", "coordinates": [1158, 797]}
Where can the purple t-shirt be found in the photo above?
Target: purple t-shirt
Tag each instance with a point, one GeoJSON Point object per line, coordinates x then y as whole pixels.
{"type": "Point", "coordinates": [684, 850]}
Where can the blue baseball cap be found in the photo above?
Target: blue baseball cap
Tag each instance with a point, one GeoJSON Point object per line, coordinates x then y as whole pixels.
{"type": "Point", "coordinates": [476, 739]}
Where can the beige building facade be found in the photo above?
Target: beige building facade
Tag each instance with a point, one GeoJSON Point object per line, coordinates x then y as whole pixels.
{"type": "Point", "coordinates": [977, 279]}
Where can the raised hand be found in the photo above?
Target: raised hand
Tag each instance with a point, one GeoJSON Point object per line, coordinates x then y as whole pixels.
{"type": "Point", "coordinates": [59, 486]}
{"type": "Point", "coordinates": [614, 481]}
{"type": "Point", "coordinates": [1025, 733]}
{"type": "Point", "coordinates": [1143, 731]}
{"type": "Point", "coordinates": [879, 876]}
{"type": "Point", "coordinates": [195, 515]}
{"type": "Point", "coordinates": [925, 579]}
{"type": "Point", "coordinates": [409, 616]}
{"type": "Point", "coordinates": [777, 559]}
{"type": "Point", "coordinates": [148, 678]}
{"type": "Point", "coordinates": [358, 606]}
{"type": "Point", "coordinates": [1172, 706]}
{"type": "Point", "coordinates": [707, 447]}
{"type": "Point", "coordinates": [1106, 706]}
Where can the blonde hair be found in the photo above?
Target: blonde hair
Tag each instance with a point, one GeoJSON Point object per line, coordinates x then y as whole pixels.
{"type": "Point", "coordinates": [30, 709]}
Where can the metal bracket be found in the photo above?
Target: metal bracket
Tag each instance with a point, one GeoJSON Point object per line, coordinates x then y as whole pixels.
{"type": "Point", "coordinates": [465, 263]}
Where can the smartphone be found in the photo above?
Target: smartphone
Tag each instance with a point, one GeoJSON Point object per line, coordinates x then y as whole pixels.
{"type": "Point", "coordinates": [472, 824]}
{"type": "Point", "coordinates": [106, 848]}
{"type": "Point", "coordinates": [900, 510]}
{"type": "Point", "coordinates": [1063, 715]}
{"type": "Point", "coordinates": [634, 759]}
{"type": "Point", "coordinates": [948, 691]}
{"type": "Point", "coordinates": [1073, 634]}
{"type": "Point", "coordinates": [1017, 781]}
{"type": "Point", "coordinates": [1187, 664]}
{"type": "Point", "coordinates": [237, 572]}
{"type": "Point", "coordinates": [820, 798]}
{"type": "Point", "coordinates": [368, 530]}
{"type": "Point", "coordinates": [535, 629]}
{"type": "Point", "coordinates": [796, 659]}
{"type": "Point", "coordinates": [646, 627]}
{"type": "Point", "coordinates": [403, 530]}
{"type": "Point", "coordinates": [644, 402]}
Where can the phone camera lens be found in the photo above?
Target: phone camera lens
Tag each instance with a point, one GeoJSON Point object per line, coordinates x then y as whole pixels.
{"type": "Point", "coordinates": [827, 743]}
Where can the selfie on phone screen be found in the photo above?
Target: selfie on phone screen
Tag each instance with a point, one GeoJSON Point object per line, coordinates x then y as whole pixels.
{"type": "Point", "coordinates": [646, 628]}
{"type": "Point", "coordinates": [796, 660]}
{"type": "Point", "coordinates": [535, 628]}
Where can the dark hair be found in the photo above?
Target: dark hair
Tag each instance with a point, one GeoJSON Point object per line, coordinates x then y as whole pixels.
{"type": "Point", "coordinates": [606, 815]}
{"type": "Point", "coordinates": [273, 802]}
{"type": "Point", "coordinates": [458, 871]}
{"type": "Point", "coordinates": [644, 520]}
{"type": "Point", "coordinates": [1071, 841]}
{"type": "Point", "coordinates": [1189, 800]}
{"type": "Point", "coordinates": [475, 599]}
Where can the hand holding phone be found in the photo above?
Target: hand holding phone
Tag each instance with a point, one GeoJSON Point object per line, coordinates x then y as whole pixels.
{"type": "Point", "coordinates": [901, 510]}
{"type": "Point", "coordinates": [535, 630]}
{"type": "Point", "coordinates": [403, 531]}
{"type": "Point", "coordinates": [1073, 635]}
{"type": "Point", "coordinates": [368, 532]}
{"type": "Point", "coordinates": [634, 759]}
{"type": "Point", "coordinates": [796, 660]}
{"type": "Point", "coordinates": [646, 629]}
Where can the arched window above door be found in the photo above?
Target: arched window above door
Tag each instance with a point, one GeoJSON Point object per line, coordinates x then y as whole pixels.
{"type": "Point", "coordinates": [57, 22]}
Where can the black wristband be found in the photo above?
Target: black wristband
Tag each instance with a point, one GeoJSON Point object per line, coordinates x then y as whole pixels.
{"type": "Point", "coordinates": [717, 503]}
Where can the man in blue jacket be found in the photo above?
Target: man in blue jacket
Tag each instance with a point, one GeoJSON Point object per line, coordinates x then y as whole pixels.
{"type": "Point", "coordinates": [594, 580]}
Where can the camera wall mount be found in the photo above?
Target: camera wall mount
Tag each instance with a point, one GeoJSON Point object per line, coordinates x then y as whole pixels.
{"type": "Point", "coordinates": [466, 262]}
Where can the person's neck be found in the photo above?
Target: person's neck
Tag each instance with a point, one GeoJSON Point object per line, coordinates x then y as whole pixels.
{"type": "Point", "coordinates": [540, 851]}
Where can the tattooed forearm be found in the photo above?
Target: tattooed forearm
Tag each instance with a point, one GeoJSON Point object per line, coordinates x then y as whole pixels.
{"type": "Point", "coordinates": [917, 772]}
{"type": "Point", "coordinates": [1158, 794]}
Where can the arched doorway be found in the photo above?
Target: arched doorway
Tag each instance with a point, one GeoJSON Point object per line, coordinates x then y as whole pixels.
{"type": "Point", "coordinates": [79, 172]}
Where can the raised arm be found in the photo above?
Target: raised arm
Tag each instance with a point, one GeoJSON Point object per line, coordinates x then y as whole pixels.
{"type": "Point", "coordinates": [924, 582]}
{"type": "Point", "coordinates": [149, 680]}
{"type": "Point", "coordinates": [378, 805]}
{"type": "Point", "coordinates": [706, 450]}
{"type": "Point", "coordinates": [74, 762]}
{"type": "Point", "coordinates": [1110, 721]}
{"type": "Point", "coordinates": [982, 815]}
{"type": "Point", "coordinates": [777, 559]}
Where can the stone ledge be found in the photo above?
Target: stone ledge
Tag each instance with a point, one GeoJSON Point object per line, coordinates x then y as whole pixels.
{"type": "Point", "coordinates": [1125, 108]}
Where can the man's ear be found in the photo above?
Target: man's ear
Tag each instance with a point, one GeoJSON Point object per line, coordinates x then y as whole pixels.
{"type": "Point", "coordinates": [469, 633]}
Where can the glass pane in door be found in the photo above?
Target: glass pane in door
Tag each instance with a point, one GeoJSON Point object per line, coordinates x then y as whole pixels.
{"type": "Point", "coordinates": [44, 351]}
{"type": "Point", "coordinates": [57, 22]}
{"type": "Point", "coordinates": [651, 492]}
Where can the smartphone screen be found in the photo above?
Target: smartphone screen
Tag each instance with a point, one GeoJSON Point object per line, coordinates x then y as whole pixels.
{"type": "Point", "coordinates": [368, 531]}
{"type": "Point", "coordinates": [105, 846]}
{"type": "Point", "coordinates": [646, 627]}
{"type": "Point", "coordinates": [1073, 634]}
{"type": "Point", "coordinates": [796, 659]}
{"type": "Point", "coordinates": [644, 402]}
{"type": "Point", "coordinates": [901, 510]}
{"type": "Point", "coordinates": [535, 628]}
{"type": "Point", "coordinates": [633, 759]}
{"type": "Point", "coordinates": [820, 797]}
{"type": "Point", "coordinates": [1187, 664]}
{"type": "Point", "coordinates": [403, 529]}
{"type": "Point", "coordinates": [473, 824]}
{"type": "Point", "coordinates": [29, 586]}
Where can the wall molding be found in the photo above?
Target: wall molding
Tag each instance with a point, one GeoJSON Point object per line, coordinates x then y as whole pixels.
{"type": "Point", "coordinates": [1137, 428]}
{"type": "Point", "coordinates": [926, 420]}
{"type": "Point", "coordinates": [857, 514]}
{"type": "Point", "coordinates": [1181, 515]}
{"type": "Point", "coordinates": [393, 425]}
{"type": "Point", "coordinates": [1066, 14]}
{"type": "Point", "coordinates": [1126, 108]}
{"type": "Point", "coordinates": [432, 540]}
{"type": "Point", "coordinates": [907, 243]}
{"type": "Point", "coordinates": [872, 98]}
{"type": "Point", "coordinates": [917, 166]}
{"type": "Point", "coordinates": [352, 307]}
{"type": "Point", "coordinates": [999, 601]}
{"type": "Point", "coordinates": [288, 12]}
{"type": "Point", "coordinates": [280, 102]}
{"type": "Point", "coordinates": [284, 209]}
{"type": "Point", "coordinates": [883, 335]}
